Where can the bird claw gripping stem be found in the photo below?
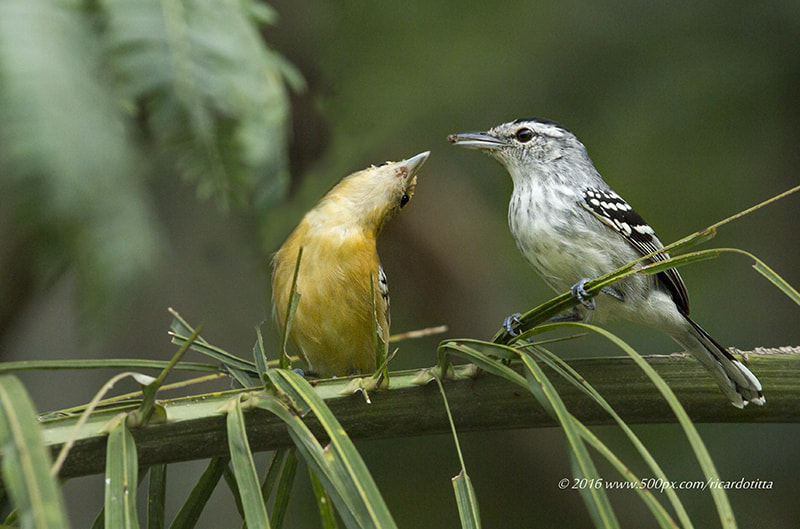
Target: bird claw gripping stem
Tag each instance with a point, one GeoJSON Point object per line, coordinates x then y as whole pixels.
{"type": "Point", "coordinates": [579, 293]}
{"type": "Point", "coordinates": [508, 324]}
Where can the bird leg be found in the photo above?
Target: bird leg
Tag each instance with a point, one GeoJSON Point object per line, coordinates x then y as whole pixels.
{"type": "Point", "coordinates": [509, 323]}
{"type": "Point", "coordinates": [579, 293]}
{"type": "Point", "coordinates": [571, 316]}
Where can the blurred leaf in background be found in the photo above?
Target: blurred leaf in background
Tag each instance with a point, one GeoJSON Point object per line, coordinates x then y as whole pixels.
{"type": "Point", "coordinates": [98, 99]}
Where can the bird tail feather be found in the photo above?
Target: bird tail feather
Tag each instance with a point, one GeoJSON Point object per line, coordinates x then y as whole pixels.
{"type": "Point", "coordinates": [738, 383]}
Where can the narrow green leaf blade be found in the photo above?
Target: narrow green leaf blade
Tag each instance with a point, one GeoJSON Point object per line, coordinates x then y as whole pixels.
{"type": "Point", "coordinates": [25, 461]}
{"type": "Point", "coordinates": [777, 280]}
{"type": "Point", "coordinates": [596, 499]}
{"type": "Point", "coordinates": [320, 462]}
{"type": "Point", "coordinates": [181, 327]}
{"type": "Point", "coordinates": [681, 260]}
{"type": "Point", "coordinates": [284, 491]}
{"type": "Point", "coordinates": [359, 489]}
{"type": "Point", "coordinates": [467, 501]}
{"type": "Point", "coordinates": [240, 378]}
{"type": "Point", "coordinates": [275, 470]}
{"type": "Point", "coordinates": [701, 452]}
{"type": "Point", "coordinates": [227, 359]}
{"type": "Point", "coordinates": [121, 479]}
{"type": "Point", "coordinates": [109, 363]}
{"type": "Point", "coordinates": [291, 308]}
{"type": "Point", "coordinates": [156, 497]}
{"type": "Point", "coordinates": [326, 512]}
{"type": "Point", "coordinates": [190, 511]}
{"type": "Point", "coordinates": [465, 349]}
{"type": "Point", "coordinates": [694, 239]}
{"type": "Point", "coordinates": [181, 331]}
{"type": "Point", "coordinates": [255, 512]}
{"type": "Point", "coordinates": [566, 371]}
{"type": "Point", "coordinates": [259, 354]}
{"type": "Point", "coordinates": [659, 513]}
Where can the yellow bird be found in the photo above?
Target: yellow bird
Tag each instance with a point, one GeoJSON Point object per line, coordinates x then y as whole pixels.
{"type": "Point", "coordinates": [333, 325]}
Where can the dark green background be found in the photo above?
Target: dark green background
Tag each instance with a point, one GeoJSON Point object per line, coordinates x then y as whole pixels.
{"type": "Point", "coordinates": [689, 111]}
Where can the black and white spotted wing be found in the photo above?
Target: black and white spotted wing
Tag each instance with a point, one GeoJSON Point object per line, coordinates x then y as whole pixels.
{"type": "Point", "coordinates": [613, 211]}
{"type": "Point", "coordinates": [383, 288]}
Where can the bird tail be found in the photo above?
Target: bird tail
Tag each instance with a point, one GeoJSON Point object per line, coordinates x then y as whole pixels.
{"type": "Point", "coordinates": [738, 383]}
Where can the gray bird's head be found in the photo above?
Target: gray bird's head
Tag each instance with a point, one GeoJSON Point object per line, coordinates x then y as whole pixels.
{"type": "Point", "coordinates": [530, 147]}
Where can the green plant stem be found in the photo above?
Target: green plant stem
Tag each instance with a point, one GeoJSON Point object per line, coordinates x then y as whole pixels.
{"type": "Point", "coordinates": [196, 430]}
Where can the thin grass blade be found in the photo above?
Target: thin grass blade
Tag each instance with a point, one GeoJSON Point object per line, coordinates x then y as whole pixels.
{"type": "Point", "coordinates": [149, 390]}
{"type": "Point", "coordinates": [230, 481]}
{"type": "Point", "coordinates": [275, 470]}
{"type": "Point", "coordinates": [294, 300]}
{"type": "Point", "coordinates": [567, 372]}
{"type": "Point", "coordinates": [659, 513]}
{"type": "Point", "coordinates": [255, 512]}
{"type": "Point", "coordinates": [346, 468]}
{"type": "Point", "coordinates": [320, 462]}
{"type": "Point", "coordinates": [121, 478]}
{"type": "Point", "coordinates": [189, 513]}
{"type": "Point", "coordinates": [259, 354]}
{"type": "Point", "coordinates": [327, 513]}
{"type": "Point", "coordinates": [156, 497]}
{"type": "Point", "coordinates": [776, 280]}
{"type": "Point", "coordinates": [25, 462]}
{"type": "Point", "coordinates": [596, 499]}
{"type": "Point", "coordinates": [467, 349]}
{"type": "Point", "coordinates": [680, 260]}
{"type": "Point", "coordinates": [111, 363]}
{"type": "Point", "coordinates": [181, 327]}
{"type": "Point", "coordinates": [224, 357]}
{"type": "Point", "coordinates": [467, 502]}
{"type": "Point", "coordinates": [62, 456]}
{"type": "Point", "coordinates": [284, 490]}
{"type": "Point", "coordinates": [466, 499]}
{"type": "Point", "coordinates": [180, 331]}
{"type": "Point", "coordinates": [240, 378]}
{"type": "Point", "coordinates": [701, 452]}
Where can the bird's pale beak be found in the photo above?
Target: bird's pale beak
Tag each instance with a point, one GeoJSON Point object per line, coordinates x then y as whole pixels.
{"type": "Point", "coordinates": [413, 164]}
{"type": "Point", "coordinates": [475, 140]}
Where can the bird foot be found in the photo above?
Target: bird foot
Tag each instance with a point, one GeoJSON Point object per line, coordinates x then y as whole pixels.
{"type": "Point", "coordinates": [579, 293]}
{"type": "Point", "coordinates": [510, 322]}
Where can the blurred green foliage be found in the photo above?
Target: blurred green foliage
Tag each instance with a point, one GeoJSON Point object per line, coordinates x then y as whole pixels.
{"type": "Point", "coordinates": [97, 99]}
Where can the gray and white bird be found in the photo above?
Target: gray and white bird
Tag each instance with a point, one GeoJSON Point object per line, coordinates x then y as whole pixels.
{"type": "Point", "coordinates": [572, 227]}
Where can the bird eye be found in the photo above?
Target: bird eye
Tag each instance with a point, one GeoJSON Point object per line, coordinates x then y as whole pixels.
{"type": "Point", "coordinates": [524, 135]}
{"type": "Point", "coordinates": [404, 200]}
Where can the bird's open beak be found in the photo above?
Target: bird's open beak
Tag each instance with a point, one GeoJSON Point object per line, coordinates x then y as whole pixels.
{"type": "Point", "coordinates": [413, 164]}
{"type": "Point", "coordinates": [475, 140]}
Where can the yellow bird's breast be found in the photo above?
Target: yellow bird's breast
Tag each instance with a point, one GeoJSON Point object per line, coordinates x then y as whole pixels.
{"type": "Point", "coordinates": [333, 324]}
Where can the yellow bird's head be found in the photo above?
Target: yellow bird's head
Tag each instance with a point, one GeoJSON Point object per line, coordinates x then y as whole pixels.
{"type": "Point", "coordinates": [370, 197]}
